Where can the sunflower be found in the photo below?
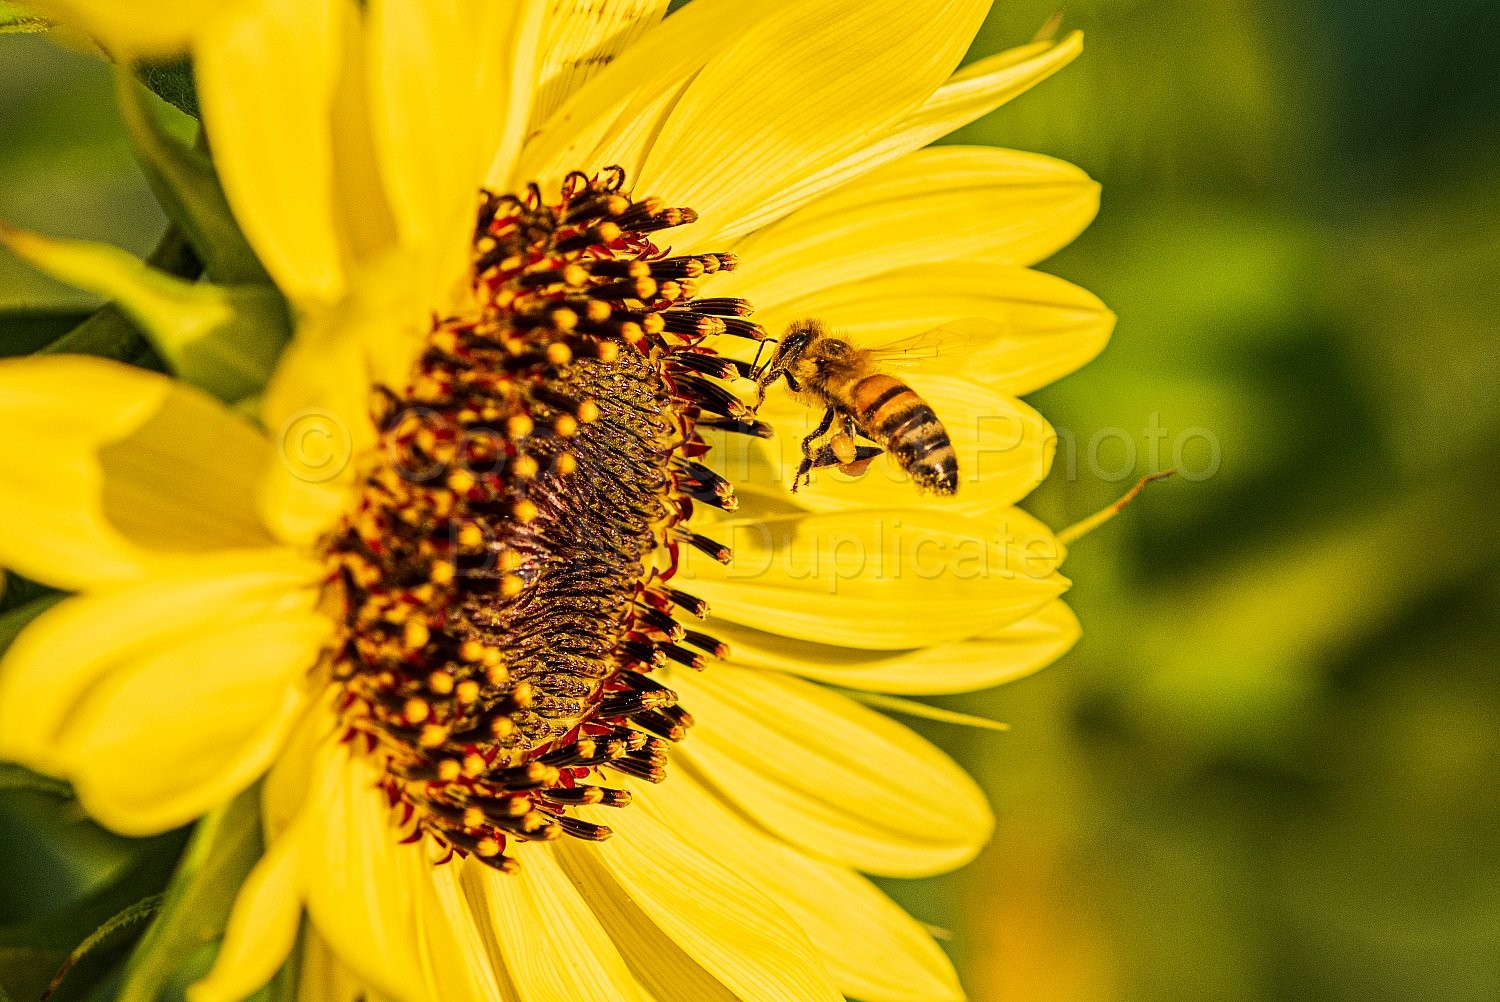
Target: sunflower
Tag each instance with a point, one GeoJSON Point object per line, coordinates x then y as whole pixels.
{"type": "Point", "coordinates": [441, 583]}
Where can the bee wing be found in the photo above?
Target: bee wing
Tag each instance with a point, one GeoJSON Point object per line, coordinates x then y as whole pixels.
{"type": "Point", "coordinates": [944, 350]}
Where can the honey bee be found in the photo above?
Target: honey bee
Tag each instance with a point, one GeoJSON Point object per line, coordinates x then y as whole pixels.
{"type": "Point", "coordinates": [863, 400]}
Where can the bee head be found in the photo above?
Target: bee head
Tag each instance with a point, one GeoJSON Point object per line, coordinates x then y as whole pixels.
{"type": "Point", "coordinates": [795, 342]}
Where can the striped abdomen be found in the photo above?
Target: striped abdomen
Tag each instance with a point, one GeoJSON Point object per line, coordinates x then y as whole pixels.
{"type": "Point", "coordinates": [891, 413]}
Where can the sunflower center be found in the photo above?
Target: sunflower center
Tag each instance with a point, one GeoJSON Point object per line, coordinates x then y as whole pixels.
{"type": "Point", "coordinates": [505, 577]}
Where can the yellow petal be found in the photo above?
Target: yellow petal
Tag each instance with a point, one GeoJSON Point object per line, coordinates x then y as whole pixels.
{"type": "Point", "coordinates": [1013, 651]}
{"type": "Point", "coordinates": [448, 85]}
{"type": "Point", "coordinates": [65, 654]}
{"type": "Point", "coordinates": [1004, 450]}
{"type": "Point", "coordinates": [534, 917]}
{"type": "Point", "coordinates": [879, 580]}
{"type": "Point", "coordinates": [840, 780]}
{"type": "Point", "coordinates": [873, 949]}
{"type": "Point", "coordinates": [163, 735]}
{"type": "Point", "coordinates": [1041, 327]}
{"type": "Point", "coordinates": [361, 882]}
{"type": "Point", "coordinates": [974, 91]}
{"type": "Point", "coordinates": [938, 204]}
{"type": "Point", "coordinates": [508, 39]}
{"type": "Point", "coordinates": [795, 94]}
{"type": "Point", "coordinates": [293, 776]}
{"type": "Point", "coordinates": [266, 76]}
{"type": "Point", "coordinates": [723, 939]}
{"type": "Point", "coordinates": [582, 37]}
{"type": "Point", "coordinates": [317, 406]}
{"type": "Point", "coordinates": [124, 28]}
{"type": "Point", "coordinates": [324, 977]}
{"type": "Point", "coordinates": [585, 133]}
{"type": "Point", "coordinates": [421, 90]}
{"type": "Point", "coordinates": [262, 926]}
{"type": "Point", "coordinates": [458, 963]}
{"type": "Point", "coordinates": [108, 472]}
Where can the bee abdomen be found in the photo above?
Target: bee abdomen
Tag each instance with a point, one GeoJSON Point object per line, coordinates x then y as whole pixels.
{"type": "Point", "coordinates": [894, 415]}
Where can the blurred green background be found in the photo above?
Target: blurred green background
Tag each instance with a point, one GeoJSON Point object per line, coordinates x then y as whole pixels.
{"type": "Point", "coordinates": [1269, 770]}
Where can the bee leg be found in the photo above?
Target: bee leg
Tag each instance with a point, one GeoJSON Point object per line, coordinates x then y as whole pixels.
{"type": "Point", "coordinates": [842, 442]}
{"type": "Point", "coordinates": [804, 473]}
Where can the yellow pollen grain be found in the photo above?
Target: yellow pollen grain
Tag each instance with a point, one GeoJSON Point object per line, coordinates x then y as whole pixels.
{"type": "Point", "coordinates": [440, 682]}
{"type": "Point", "coordinates": [511, 585]}
{"type": "Point", "coordinates": [524, 467]}
{"type": "Point", "coordinates": [467, 691]}
{"type": "Point", "coordinates": [608, 351]}
{"type": "Point", "coordinates": [631, 332]}
{"type": "Point", "coordinates": [511, 560]}
{"type": "Point", "coordinates": [588, 412]}
{"type": "Point", "coordinates": [473, 817]}
{"type": "Point", "coordinates": [645, 288]}
{"type": "Point", "coordinates": [608, 232]}
{"type": "Point", "coordinates": [441, 572]}
{"type": "Point", "coordinates": [567, 463]}
{"type": "Point", "coordinates": [653, 323]}
{"type": "Point", "coordinates": [524, 511]}
{"type": "Point", "coordinates": [487, 847]}
{"type": "Point", "coordinates": [449, 769]}
{"type": "Point", "coordinates": [474, 765]}
{"type": "Point", "coordinates": [521, 695]}
{"type": "Point", "coordinates": [519, 426]}
{"type": "Point", "coordinates": [564, 320]}
{"type": "Point", "coordinates": [575, 274]}
{"type": "Point", "coordinates": [471, 650]}
{"type": "Point", "coordinates": [670, 290]}
{"type": "Point", "coordinates": [415, 635]}
{"type": "Point", "coordinates": [566, 425]}
{"type": "Point", "coordinates": [427, 388]}
{"type": "Point", "coordinates": [598, 310]}
{"type": "Point", "coordinates": [415, 711]}
{"type": "Point", "coordinates": [470, 536]}
{"type": "Point", "coordinates": [432, 736]}
{"type": "Point", "coordinates": [617, 205]}
{"type": "Point", "coordinates": [559, 353]}
{"type": "Point", "coordinates": [502, 727]}
{"type": "Point", "coordinates": [461, 480]}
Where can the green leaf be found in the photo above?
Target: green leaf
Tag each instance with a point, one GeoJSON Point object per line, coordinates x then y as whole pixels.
{"type": "Point", "coordinates": [17, 591]}
{"type": "Point", "coordinates": [130, 915]}
{"type": "Point", "coordinates": [224, 846]}
{"type": "Point", "coordinates": [16, 20]}
{"type": "Point", "coordinates": [17, 619]}
{"type": "Point", "coordinates": [224, 339]}
{"type": "Point", "coordinates": [25, 330]}
{"type": "Point", "coordinates": [18, 777]}
{"type": "Point", "coordinates": [188, 189]}
{"type": "Point", "coordinates": [61, 876]}
{"type": "Point", "coordinates": [172, 81]}
{"type": "Point", "coordinates": [110, 334]}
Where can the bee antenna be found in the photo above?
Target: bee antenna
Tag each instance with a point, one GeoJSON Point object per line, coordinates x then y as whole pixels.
{"type": "Point", "coordinates": [770, 340]}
